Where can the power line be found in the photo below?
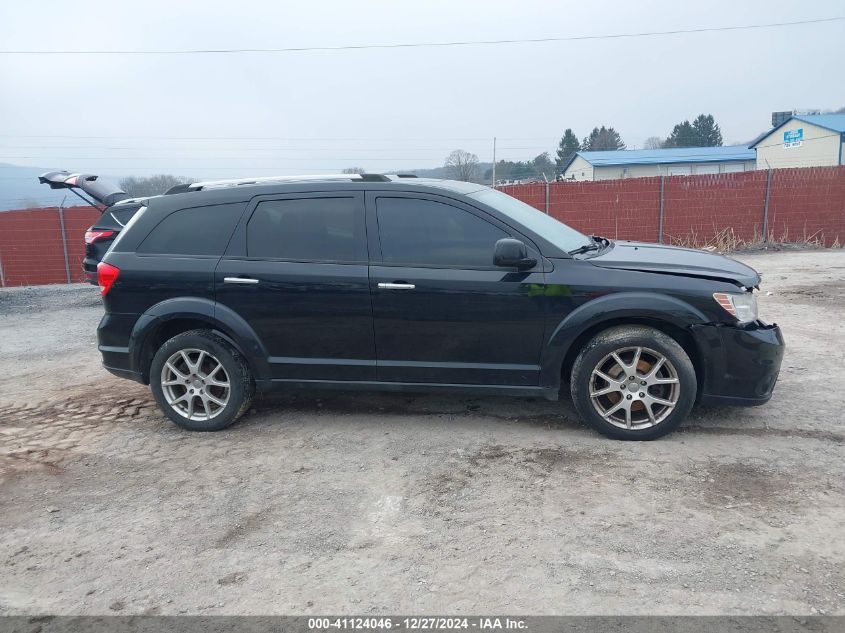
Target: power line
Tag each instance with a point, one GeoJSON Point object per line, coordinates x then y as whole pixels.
{"type": "Point", "coordinates": [197, 157]}
{"type": "Point", "coordinates": [330, 170]}
{"type": "Point", "coordinates": [303, 49]}
{"type": "Point", "coordinates": [656, 153]}
{"type": "Point", "coordinates": [278, 138]}
{"type": "Point", "coordinates": [303, 148]}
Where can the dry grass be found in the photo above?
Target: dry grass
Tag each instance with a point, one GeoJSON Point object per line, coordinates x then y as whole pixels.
{"type": "Point", "coordinates": [726, 240]}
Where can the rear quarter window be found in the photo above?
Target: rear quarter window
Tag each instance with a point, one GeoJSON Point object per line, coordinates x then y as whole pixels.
{"type": "Point", "coordinates": [117, 217]}
{"type": "Point", "coordinates": [199, 231]}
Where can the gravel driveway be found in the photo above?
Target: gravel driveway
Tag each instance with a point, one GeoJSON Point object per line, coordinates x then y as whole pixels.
{"type": "Point", "coordinates": [331, 502]}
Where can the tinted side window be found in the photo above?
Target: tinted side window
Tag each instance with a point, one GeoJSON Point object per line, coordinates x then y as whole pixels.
{"type": "Point", "coordinates": [425, 232]}
{"type": "Point", "coordinates": [313, 229]}
{"type": "Point", "coordinates": [196, 231]}
{"type": "Point", "coordinates": [116, 217]}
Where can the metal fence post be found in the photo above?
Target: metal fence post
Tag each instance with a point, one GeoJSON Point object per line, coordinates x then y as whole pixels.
{"type": "Point", "coordinates": [64, 239]}
{"type": "Point", "coordinates": [660, 222]}
{"type": "Point", "coordinates": [547, 195]}
{"type": "Point", "coordinates": [766, 206]}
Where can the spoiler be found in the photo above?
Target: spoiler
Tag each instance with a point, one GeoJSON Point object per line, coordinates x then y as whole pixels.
{"type": "Point", "coordinates": [101, 191]}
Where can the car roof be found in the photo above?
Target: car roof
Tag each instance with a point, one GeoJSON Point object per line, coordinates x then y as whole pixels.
{"type": "Point", "coordinates": [220, 192]}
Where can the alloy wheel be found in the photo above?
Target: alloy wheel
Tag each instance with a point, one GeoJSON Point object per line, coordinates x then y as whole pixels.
{"type": "Point", "coordinates": [195, 384]}
{"type": "Point", "coordinates": [634, 388]}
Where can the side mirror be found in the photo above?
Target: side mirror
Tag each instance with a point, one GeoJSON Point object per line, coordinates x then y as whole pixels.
{"type": "Point", "coordinates": [511, 253]}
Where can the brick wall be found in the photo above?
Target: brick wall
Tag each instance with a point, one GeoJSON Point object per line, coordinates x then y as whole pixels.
{"type": "Point", "coordinates": [31, 251]}
{"type": "Point", "coordinates": [803, 203]}
{"type": "Point", "coordinates": [808, 202]}
{"type": "Point", "coordinates": [699, 207]}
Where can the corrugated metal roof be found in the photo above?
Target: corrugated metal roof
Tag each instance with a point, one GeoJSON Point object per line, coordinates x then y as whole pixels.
{"type": "Point", "coordinates": [668, 156]}
{"type": "Point", "coordinates": [835, 122]}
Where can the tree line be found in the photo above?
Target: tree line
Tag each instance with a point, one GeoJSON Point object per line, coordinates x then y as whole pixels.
{"type": "Point", "coordinates": [703, 131]}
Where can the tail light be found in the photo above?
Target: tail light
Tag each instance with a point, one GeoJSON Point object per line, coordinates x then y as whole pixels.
{"type": "Point", "coordinates": [96, 236]}
{"type": "Point", "coordinates": [106, 276]}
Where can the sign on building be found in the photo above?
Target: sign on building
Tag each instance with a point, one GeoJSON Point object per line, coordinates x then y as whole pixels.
{"type": "Point", "coordinates": [793, 138]}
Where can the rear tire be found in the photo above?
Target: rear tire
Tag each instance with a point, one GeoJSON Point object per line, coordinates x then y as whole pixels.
{"type": "Point", "coordinates": [200, 381]}
{"type": "Point", "coordinates": [633, 383]}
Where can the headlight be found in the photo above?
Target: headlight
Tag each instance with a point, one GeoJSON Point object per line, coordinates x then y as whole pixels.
{"type": "Point", "coordinates": [742, 306]}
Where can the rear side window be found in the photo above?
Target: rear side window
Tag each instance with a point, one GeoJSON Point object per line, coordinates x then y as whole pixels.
{"type": "Point", "coordinates": [429, 233]}
{"type": "Point", "coordinates": [197, 231]}
{"type": "Point", "coordinates": [117, 217]}
{"type": "Point", "coordinates": [313, 229]}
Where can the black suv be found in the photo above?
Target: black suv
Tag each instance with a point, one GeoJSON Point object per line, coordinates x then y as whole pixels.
{"type": "Point", "coordinates": [385, 282]}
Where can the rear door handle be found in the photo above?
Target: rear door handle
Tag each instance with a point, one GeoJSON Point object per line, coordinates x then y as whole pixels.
{"type": "Point", "coordinates": [395, 286]}
{"type": "Point", "coordinates": [239, 280]}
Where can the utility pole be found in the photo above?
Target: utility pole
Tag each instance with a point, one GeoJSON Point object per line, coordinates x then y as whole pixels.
{"type": "Point", "coordinates": [494, 162]}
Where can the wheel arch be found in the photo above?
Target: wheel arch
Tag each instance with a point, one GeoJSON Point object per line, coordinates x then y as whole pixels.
{"type": "Point", "coordinates": [174, 316]}
{"type": "Point", "coordinates": [666, 314]}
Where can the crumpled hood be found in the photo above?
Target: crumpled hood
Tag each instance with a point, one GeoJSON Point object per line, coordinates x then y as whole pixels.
{"type": "Point", "coordinates": [657, 258]}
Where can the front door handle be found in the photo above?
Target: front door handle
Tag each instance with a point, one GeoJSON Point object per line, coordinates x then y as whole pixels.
{"type": "Point", "coordinates": [395, 286]}
{"type": "Point", "coordinates": [239, 280]}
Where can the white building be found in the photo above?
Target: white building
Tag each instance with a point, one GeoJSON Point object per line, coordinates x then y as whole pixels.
{"type": "Point", "coordinates": [676, 161]}
{"type": "Point", "coordinates": [810, 140]}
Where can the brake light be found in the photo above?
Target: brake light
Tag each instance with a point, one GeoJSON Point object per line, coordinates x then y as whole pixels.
{"type": "Point", "coordinates": [96, 236]}
{"type": "Point", "coordinates": [106, 276]}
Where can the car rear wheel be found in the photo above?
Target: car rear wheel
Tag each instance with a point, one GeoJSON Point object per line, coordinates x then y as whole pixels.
{"type": "Point", "coordinates": [633, 383]}
{"type": "Point", "coordinates": [200, 381]}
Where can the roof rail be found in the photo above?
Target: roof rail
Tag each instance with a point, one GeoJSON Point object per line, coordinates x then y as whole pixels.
{"type": "Point", "coordinates": [235, 182]}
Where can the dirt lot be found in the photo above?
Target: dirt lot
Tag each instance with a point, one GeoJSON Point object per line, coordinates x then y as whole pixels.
{"type": "Point", "coordinates": [319, 503]}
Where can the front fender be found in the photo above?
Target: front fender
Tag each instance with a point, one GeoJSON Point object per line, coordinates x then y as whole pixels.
{"type": "Point", "coordinates": [608, 309]}
{"type": "Point", "coordinates": [223, 320]}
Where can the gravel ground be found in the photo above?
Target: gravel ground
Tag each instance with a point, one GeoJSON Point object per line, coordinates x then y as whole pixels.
{"type": "Point", "coordinates": [318, 503]}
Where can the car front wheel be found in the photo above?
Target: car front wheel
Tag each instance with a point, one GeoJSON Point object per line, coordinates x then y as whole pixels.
{"type": "Point", "coordinates": [200, 381]}
{"type": "Point", "coordinates": [633, 383]}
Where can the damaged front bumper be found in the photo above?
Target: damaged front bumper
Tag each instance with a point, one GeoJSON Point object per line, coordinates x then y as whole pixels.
{"type": "Point", "coordinates": [740, 363]}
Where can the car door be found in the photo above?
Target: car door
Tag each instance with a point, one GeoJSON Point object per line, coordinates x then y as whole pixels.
{"type": "Point", "coordinates": [296, 271]}
{"type": "Point", "coordinates": [442, 312]}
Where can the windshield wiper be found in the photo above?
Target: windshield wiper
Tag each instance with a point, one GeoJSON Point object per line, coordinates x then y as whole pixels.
{"type": "Point", "coordinates": [599, 243]}
{"type": "Point", "coordinates": [584, 249]}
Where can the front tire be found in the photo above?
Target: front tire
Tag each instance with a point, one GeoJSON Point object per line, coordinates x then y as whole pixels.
{"type": "Point", "coordinates": [633, 383]}
{"type": "Point", "coordinates": [200, 381]}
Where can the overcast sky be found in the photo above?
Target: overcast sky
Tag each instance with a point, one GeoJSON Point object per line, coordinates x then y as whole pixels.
{"type": "Point", "coordinates": [386, 109]}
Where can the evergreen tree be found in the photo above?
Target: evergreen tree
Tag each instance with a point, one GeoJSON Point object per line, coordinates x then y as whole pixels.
{"type": "Point", "coordinates": [707, 130]}
{"type": "Point", "coordinates": [703, 132]}
{"type": "Point", "coordinates": [602, 139]}
{"type": "Point", "coordinates": [566, 149]}
{"type": "Point", "coordinates": [683, 135]}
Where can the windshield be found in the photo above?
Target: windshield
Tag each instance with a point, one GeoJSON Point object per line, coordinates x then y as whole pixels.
{"type": "Point", "coordinates": [564, 237]}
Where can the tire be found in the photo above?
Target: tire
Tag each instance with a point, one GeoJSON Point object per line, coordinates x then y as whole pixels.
{"type": "Point", "coordinates": [200, 381]}
{"type": "Point", "coordinates": [651, 405]}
